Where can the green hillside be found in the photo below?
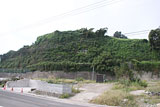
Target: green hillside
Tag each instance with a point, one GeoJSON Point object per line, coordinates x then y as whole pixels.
{"type": "Point", "coordinates": [78, 50]}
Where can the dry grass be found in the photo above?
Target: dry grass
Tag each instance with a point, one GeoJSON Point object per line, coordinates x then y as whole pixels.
{"type": "Point", "coordinates": [112, 98]}
{"type": "Point", "coordinates": [130, 86]}
{"type": "Point", "coordinates": [123, 87]}
{"type": "Point", "coordinates": [115, 98]}
{"type": "Point", "coordinates": [153, 99]}
{"type": "Point", "coordinates": [119, 95]}
{"type": "Point", "coordinates": [75, 90]}
{"type": "Point", "coordinates": [67, 81]}
{"type": "Point", "coordinates": [153, 87]}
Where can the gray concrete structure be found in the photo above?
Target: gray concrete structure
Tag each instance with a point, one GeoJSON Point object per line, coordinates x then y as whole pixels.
{"type": "Point", "coordinates": [19, 83]}
{"type": "Point", "coordinates": [2, 79]}
{"type": "Point", "coordinates": [51, 74]}
{"type": "Point", "coordinates": [53, 88]}
{"type": "Point", "coordinates": [41, 86]}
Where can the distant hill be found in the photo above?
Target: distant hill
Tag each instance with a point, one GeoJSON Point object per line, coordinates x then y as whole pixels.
{"type": "Point", "coordinates": [78, 50]}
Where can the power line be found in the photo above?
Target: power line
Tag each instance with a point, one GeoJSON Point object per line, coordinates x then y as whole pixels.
{"type": "Point", "coordinates": [137, 33]}
{"type": "Point", "coordinates": [74, 12]}
{"type": "Point", "coordinates": [77, 11]}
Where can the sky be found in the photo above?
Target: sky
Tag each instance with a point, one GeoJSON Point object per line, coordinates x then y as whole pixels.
{"type": "Point", "coordinates": [22, 21]}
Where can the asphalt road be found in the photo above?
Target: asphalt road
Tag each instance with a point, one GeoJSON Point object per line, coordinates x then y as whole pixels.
{"type": "Point", "coordinates": [10, 99]}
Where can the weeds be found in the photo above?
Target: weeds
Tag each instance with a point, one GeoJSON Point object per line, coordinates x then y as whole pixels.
{"type": "Point", "coordinates": [2, 83]}
{"type": "Point", "coordinates": [74, 90]}
{"type": "Point", "coordinates": [127, 85]}
{"type": "Point", "coordinates": [67, 81]}
{"type": "Point", "coordinates": [115, 98]}
{"type": "Point", "coordinates": [65, 96]}
{"type": "Point", "coordinates": [120, 96]}
{"type": "Point", "coordinates": [153, 89]}
{"type": "Point", "coordinates": [79, 79]}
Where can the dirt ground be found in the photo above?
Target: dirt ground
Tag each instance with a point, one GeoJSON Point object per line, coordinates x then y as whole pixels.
{"type": "Point", "coordinates": [90, 91]}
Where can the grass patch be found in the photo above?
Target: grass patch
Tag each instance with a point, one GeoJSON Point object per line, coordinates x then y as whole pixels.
{"type": "Point", "coordinates": [149, 100]}
{"type": "Point", "coordinates": [45, 93]}
{"type": "Point", "coordinates": [128, 86]}
{"type": "Point", "coordinates": [153, 86]}
{"type": "Point", "coordinates": [74, 90]}
{"type": "Point", "coordinates": [65, 96]}
{"type": "Point", "coordinates": [111, 98]}
{"type": "Point", "coordinates": [79, 79]}
{"type": "Point", "coordinates": [2, 83]}
{"type": "Point", "coordinates": [65, 81]}
{"type": "Point", "coordinates": [153, 99]}
{"type": "Point", "coordinates": [153, 89]}
{"type": "Point", "coordinates": [115, 98]}
{"type": "Point", "coordinates": [52, 94]}
{"type": "Point", "coordinates": [119, 95]}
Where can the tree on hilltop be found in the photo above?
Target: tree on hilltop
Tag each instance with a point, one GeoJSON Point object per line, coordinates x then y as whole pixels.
{"type": "Point", "coordinates": [118, 34]}
{"type": "Point", "coordinates": [154, 39]}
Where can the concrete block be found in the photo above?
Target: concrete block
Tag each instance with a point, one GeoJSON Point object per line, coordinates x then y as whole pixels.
{"type": "Point", "coordinates": [41, 86]}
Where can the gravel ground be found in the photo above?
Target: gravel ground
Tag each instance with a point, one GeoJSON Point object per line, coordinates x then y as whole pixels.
{"type": "Point", "coordinates": [90, 91]}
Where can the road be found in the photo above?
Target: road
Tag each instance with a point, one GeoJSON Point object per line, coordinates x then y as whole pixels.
{"type": "Point", "coordinates": [10, 99]}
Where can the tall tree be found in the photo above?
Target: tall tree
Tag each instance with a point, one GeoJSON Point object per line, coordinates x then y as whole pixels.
{"type": "Point", "coordinates": [118, 34]}
{"type": "Point", "coordinates": [154, 39]}
{"type": "Point", "coordinates": [101, 31]}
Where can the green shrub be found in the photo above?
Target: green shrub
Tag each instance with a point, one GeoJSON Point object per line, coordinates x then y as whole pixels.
{"type": "Point", "coordinates": [152, 66]}
{"type": "Point", "coordinates": [75, 90]}
{"type": "Point", "coordinates": [14, 79]}
{"type": "Point", "coordinates": [65, 96]}
{"type": "Point", "coordinates": [125, 82]}
{"type": "Point", "coordinates": [127, 85]}
{"type": "Point", "coordinates": [50, 81]}
{"type": "Point", "coordinates": [80, 79]}
{"type": "Point", "coordinates": [143, 83]}
{"type": "Point", "coordinates": [2, 83]}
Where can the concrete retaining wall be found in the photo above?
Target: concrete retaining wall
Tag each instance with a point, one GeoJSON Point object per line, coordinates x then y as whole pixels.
{"type": "Point", "coordinates": [51, 74]}
{"type": "Point", "coordinates": [53, 88]}
{"type": "Point", "coordinates": [148, 76]}
{"type": "Point", "coordinates": [2, 79]}
{"type": "Point", "coordinates": [58, 74]}
{"type": "Point", "coordinates": [41, 86]}
{"type": "Point", "coordinates": [73, 75]}
{"type": "Point", "coordinates": [19, 83]}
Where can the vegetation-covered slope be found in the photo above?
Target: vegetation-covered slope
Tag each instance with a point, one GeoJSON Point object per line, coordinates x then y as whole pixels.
{"type": "Point", "coordinates": [78, 50]}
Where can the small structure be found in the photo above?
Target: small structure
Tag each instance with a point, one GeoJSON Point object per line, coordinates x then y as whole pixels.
{"type": "Point", "coordinates": [40, 85]}
{"type": "Point", "coordinates": [100, 78]}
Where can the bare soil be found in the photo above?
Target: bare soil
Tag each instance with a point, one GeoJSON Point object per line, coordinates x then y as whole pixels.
{"type": "Point", "coordinates": [90, 91]}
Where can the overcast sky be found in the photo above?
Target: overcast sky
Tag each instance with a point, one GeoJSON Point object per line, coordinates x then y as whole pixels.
{"type": "Point", "coordinates": [22, 21]}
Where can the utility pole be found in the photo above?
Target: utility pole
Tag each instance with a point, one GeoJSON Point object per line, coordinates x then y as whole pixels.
{"type": "Point", "coordinates": [93, 73]}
